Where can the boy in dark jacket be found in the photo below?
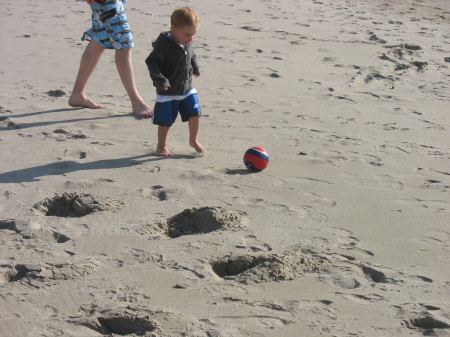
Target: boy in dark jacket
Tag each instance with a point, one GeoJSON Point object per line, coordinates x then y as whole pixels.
{"type": "Point", "coordinates": [171, 65]}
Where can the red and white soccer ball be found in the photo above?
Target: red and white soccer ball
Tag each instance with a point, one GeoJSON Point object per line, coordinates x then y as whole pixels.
{"type": "Point", "coordinates": [256, 159]}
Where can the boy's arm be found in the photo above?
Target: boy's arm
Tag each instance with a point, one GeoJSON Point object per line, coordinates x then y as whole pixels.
{"type": "Point", "coordinates": [195, 68]}
{"type": "Point", "coordinates": [152, 61]}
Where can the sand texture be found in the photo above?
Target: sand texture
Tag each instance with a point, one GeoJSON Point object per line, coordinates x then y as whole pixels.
{"type": "Point", "coordinates": [346, 233]}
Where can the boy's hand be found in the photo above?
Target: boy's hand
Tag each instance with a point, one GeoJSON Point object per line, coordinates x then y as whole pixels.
{"type": "Point", "coordinates": [197, 75]}
{"type": "Point", "coordinates": [165, 88]}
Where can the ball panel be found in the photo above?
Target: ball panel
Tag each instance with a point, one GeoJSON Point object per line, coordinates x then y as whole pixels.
{"type": "Point", "coordinates": [258, 152]}
{"type": "Point", "coordinates": [249, 165]}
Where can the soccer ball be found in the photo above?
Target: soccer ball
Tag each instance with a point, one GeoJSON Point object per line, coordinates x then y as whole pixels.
{"type": "Point", "coordinates": [256, 159]}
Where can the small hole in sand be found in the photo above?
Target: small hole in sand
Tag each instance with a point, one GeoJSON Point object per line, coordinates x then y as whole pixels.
{"type": "Point", "coordinates": [265, 268]}
{"type": "Point", "coordinates": [123, 326]}
{"type": "Point", "coordinates": [233, 267]}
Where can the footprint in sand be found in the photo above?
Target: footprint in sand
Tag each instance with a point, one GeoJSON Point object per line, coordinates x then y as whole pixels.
{"type": "Point", "coordinates": [75, 154]}
{"type": "Point", "coordinates": [375, 275]}
{"type": "Point", "coordinates": [317, 199]}
{"type": "Point", "coordinates": [262, 203]}
{"type": "Point", "coordinates": [347, 241]}
{"type": "Point", "coordinates": [342, 281]}
{"type": "Point", "coordinates": [251, 243]}
{"type": "Point", "coordinates": [132, 256]}
{"type": "Point", "coordinates": [347, 273]}
{"type": "Point", "coordinates": [436, 185]}
{"type": "Point", "coordinates": [438, 238]}
{"type": "Point", "coordinates": [151, 169]}
{"type": "Point", "coordinates": [83, 184]}
{"type": "Point", "coordinates": [8, 124]}
{"type": "Point", "coordinates": [42, 274]}
{"type": "Point", "coordinates": [161, 193]}
{"type": "Point", "coordinates": [373, 37]}
{"type": "Point", "coordinates": [126, 294]}
{"type": "Point", "coordinates": [62, 135]}
{"type": "Point", "coordinates": [56, 93]}
{"type": "Point", "coordinates": [201, 177]}
{"type": "Point", "coordinates": [44, 235]}
{"type": "Point", "coordinates": [384, 181]}
{"type": "Point", "coordinates": [374, 80]}
{"type": "Point", "coordinates": [371, 298]}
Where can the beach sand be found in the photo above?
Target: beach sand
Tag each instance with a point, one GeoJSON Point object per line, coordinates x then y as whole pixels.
{"type": "Point", "coordinates": [346, 233]}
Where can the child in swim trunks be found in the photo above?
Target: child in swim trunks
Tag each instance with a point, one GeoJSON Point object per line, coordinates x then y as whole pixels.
{"type": "Point", "coordinates": [171, 64]}
{"type": "Point", "coordinates": [110, 30]}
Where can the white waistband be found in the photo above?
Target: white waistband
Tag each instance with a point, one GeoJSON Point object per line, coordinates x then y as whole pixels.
{"type": "Point", "coordinates": [167, 98]}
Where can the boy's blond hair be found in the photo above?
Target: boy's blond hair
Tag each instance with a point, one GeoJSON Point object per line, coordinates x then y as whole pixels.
{"type": "Point", "coordinates": [184, 16]}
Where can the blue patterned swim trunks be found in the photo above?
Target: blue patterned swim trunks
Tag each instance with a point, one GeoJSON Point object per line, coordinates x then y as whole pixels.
{"type": "Point", "coordinates": [110, 27]}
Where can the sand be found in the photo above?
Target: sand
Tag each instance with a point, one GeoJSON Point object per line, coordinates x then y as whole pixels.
{"type": "Point", "coordinates": [346, 233]}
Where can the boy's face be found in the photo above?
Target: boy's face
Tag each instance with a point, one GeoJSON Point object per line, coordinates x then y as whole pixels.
{"type": "Point", "coordinates": [183, 35]}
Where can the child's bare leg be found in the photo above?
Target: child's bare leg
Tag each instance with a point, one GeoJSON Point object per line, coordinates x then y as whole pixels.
{"type": "Point", "coordinates": [194, 127]}
{"type": "Point", "coordinates": [162, 149]}
{"type": "Point", "coordinates": [88, 62]}
{"type": "Point", "coordinates": [124, 65]}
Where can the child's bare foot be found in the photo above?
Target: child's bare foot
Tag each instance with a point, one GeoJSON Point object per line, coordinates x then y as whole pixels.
{"type": "Point", "coordinates": [163, 151]}
{"type": "Point", "coordinates": [197, 147]}
{"type": "Point", "coordinates": [142, 110]}
{"type": "Point", "coordinates": [77, 100]}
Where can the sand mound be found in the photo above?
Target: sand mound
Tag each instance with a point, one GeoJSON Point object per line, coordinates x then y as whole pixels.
{"type": "Point", "coordinates": [76, 205]}
{"type": "Point", "coordinates": [202, 220]}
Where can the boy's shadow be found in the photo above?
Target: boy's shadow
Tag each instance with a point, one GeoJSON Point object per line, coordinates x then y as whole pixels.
{"type": "Point", "coordinates": [33, 173]}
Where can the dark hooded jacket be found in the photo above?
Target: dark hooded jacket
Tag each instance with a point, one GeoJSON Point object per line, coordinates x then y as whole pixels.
{"type": "Point", "coordinates": [171, 65]}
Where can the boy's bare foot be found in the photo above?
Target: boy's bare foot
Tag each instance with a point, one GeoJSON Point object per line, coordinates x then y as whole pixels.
{"type": "Point", "coordinates": [83, 101]}
{"type": "Point", "coordinates": [162, 151]}
{"type": "Point", "coordinates": [142, 110]}
{"type": "Point", "coordinates": [197, 147]}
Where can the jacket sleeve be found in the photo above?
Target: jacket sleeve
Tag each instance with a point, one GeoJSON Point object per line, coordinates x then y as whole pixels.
{"type": "Point", "coordinates": [153, 60]}
{"type": "Point", "coordinates": [195, 67]}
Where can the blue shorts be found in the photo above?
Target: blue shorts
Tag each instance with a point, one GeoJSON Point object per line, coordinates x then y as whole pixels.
{"type": "Point", "coordinates": [114, 32]}
{"type": "Point", "coordinates": [165, 113]}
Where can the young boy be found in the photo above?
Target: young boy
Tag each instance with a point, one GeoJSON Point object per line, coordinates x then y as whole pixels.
{"type": "Point", "coordinates": [110, 30]}
{"type": "Point", "coordinates": [171, 65]}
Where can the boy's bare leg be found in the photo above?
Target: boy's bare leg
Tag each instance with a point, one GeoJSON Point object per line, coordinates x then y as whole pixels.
{"type": "Point", "coordinates": [88, 62]}
{"type": "Point", "coordinates": [194, 127]}
{"type": "Point", "coordinates": [124, 65]}
{"type": "Point", "coordinates": [162, 149]}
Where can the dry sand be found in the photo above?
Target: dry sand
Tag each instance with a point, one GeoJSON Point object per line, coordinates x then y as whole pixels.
{"type": "Point", "coordinates": [346, 233]}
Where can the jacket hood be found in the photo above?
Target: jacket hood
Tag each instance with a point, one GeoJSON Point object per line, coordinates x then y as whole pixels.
{"type": "Point", "coordinates": [164, 40]}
